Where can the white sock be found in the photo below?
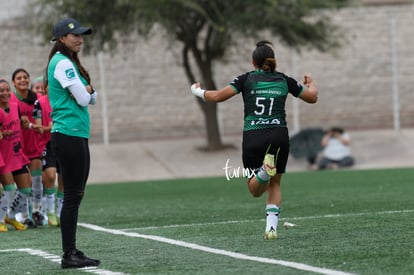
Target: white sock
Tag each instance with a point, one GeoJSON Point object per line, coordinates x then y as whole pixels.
{"type": "Point", "coordinates": [5, 199]}
{"type": "Point", "coordinates": [24, 208]}
{"type": "Point", "coordinates": [262, 175]}
{"type": "Point", "coordinates": [59, 206]}
{"type": "Point", "coordinates": [50, 202]}
{"type": "Point", "coordinates": [19, 203]}
{"type": "Point", "coordinates": [43, 206]}
{"type": "Point", "coordinates": [272, 216]}
{"type": "Point", "coordinates": [37, 192]}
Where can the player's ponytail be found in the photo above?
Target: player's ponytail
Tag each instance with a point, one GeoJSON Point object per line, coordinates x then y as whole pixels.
{"type": "Point", "coordinates": [264, 57]}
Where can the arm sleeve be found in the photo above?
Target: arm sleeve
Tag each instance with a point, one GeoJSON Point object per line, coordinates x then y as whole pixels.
{"type": "Point", "coordinates": [67, 76]}
{"type": "Point", "coordinates": [295, 88]}
{"type": "Point", "coordinates": [238, 83]}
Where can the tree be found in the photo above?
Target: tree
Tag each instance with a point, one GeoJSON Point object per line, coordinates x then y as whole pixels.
{"type": "Point", "coordinates": [205, 28]}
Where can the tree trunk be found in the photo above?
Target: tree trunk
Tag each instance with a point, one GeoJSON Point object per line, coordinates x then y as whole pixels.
{"type": "Point", "coordinates": [212, 125]}
{"type": "Point", "coordinates": [209, 109]}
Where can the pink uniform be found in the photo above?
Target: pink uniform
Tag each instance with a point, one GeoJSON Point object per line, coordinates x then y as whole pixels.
{"type": "Point", "coordinates": [11, 143]}
{"type": "Point", "coordinates": [2, 116]}
{"type": "Point", "coordinates": [31, 139]}
{"type": "Point", "coordinates": [46, 119]}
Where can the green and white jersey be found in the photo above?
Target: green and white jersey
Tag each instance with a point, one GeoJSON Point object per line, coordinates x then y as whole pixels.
{"type": "Point", "coordinates": [264, 96]}
{"type": "Point", "coordinates": [68, 116]}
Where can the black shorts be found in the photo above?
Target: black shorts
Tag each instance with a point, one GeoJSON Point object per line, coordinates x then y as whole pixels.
{"type": "Point", "coordinates": [23, 170]}
{"type": "Point", "coordinates": [49, 158]}
{"type": "Point", "coordinates": [257, 142]}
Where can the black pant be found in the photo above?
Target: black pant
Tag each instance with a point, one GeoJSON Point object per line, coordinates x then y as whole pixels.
{"type": "Point", "coordinates": [73, 156]}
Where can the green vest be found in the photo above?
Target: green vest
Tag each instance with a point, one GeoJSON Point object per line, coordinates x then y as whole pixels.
{"type": "Point", "coordinates": [68, 116]}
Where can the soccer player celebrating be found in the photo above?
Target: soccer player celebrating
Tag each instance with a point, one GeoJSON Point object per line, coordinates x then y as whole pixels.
{"type": "Point", "coordinates": [42, 113]}
{"type": "Point", "coordinates": [265, 134]}
{"type": "Point", "coordinates": [25, 99]}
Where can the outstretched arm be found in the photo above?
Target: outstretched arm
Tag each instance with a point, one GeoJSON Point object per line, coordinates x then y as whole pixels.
{"type": "Point", "coordinates": [213, 95]}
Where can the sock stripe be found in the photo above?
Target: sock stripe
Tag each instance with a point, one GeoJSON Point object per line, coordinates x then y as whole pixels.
{"type": "Point", "coordinates": [50, 191]}
{"type": "Point", "coordinates": [36, 172]}
{"type": "Point", "coordinates": [9, 187]}
{"type": "Point", "coordinates": [26, 191]}
{"type": "Point", "coordinates": [261, 181]}
{"type": "Point", "coordinates": [273, 210]}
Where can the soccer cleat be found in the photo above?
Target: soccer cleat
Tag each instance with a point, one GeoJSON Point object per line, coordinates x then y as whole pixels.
{"type": "Point", "coordinates": [269, 164]}
{"type": "Point", "coordinates": [51, 219]}
{"type": "Point", "coordinates": [29, 223]}
{"type": "Point", "coordinates": [13, 222]}
{"type": "Point", "coordinates": [76, 259]}
{"type": "Point", "coordinates": [271, 234]}
{"type": "Point", "coordinates": [3, 227]}
{"type": "Point", "coordinates": [37, 218]}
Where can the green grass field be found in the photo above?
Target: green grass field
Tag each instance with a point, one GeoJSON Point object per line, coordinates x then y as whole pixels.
{"type": "Point", "coordinates": [348, 222]}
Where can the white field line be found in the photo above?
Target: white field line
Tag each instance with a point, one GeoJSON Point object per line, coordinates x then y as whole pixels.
{"type": "Point", "coordinates": [57, 259]}
{"type": "Point", "coordinates": [282, 219]}
{"type": "Point", "coordinates": [235, 255]}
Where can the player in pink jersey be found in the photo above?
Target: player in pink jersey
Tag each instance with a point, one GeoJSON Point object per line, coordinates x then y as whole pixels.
{"type": "Point", "coordinates": [2, 116]}
{"type": "Point", "coordinates": [25, 99]}
{"type": "Point", "coordinates": [3, 227]}
{"type": "Point", "coordinates": [15, 169]}
{"type": "Point", "coordinates": [42, 112]}
{"type": "Point", "coordinates": [1, 157]}
{"type": "Point", "coordinates": [37, 86]}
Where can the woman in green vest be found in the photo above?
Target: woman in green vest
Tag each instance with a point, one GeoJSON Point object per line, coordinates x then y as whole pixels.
{"type": "Point", "coordinates": [70, 92]}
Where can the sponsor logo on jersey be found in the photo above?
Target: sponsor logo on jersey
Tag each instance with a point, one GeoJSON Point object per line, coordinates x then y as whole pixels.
{"type": "Point", "coordinates": [265, 121]}
{"type": "Point", "coordinates": [70, 73]}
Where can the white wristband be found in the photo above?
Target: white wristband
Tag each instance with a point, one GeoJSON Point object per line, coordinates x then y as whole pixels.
{"type": "Point", "coordinates": [30, 125]}
{"type": "Point", "coordinates": [198, 92]}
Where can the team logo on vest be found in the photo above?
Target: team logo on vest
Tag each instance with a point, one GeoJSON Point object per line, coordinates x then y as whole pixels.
{"type": "Point", "coordinates": [70, 73]}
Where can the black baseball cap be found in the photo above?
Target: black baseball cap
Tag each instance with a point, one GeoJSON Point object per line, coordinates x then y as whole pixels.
{"type": "Point", "coordinates": [68, 25]}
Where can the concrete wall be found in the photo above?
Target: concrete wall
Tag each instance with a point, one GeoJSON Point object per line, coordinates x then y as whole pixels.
{"type": "Point", "coordinates": [148, 94]}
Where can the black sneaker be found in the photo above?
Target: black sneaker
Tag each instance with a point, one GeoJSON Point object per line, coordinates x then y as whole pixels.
{"type": "Point", "coordinates": [37, 218]}
{"type": "Point", "coordinates": [76, 259]}
{"type": "Point", "coordinates": [29, 224]}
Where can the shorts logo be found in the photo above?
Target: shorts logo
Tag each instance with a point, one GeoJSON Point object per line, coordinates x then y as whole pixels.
{"type": "Point", "coordinates": [70, 73]}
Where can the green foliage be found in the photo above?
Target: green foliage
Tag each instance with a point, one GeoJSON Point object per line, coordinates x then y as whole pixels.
{"type": "Point", "coordinates": [205, 28]}
{"type": "Point", "coordinates": [297, 23]}
{"type": "Point", "coordinates": [108, 19]}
